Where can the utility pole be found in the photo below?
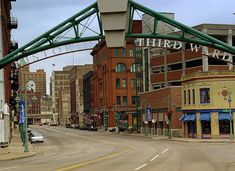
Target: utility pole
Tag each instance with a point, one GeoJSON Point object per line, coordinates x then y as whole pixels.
{"type": "Point", "coordinates": [169, 114]}
{"type": "Point", "coordinates": [231, 115]}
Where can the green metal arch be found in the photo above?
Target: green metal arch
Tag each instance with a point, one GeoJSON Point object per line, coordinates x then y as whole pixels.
{"type": "Point", "coordinates": [52, 38]}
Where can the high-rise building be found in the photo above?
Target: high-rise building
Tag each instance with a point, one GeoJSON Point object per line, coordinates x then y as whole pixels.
{"type": "Point", "coordinates": [39, 77]}
{"type": "Point", "coordinates": [76, 90]}
{"type": "Point", "coordinates": [60, 82]}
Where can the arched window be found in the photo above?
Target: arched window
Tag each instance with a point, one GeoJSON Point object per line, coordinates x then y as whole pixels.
{"type": "Point", "coordinates": [121, 67]}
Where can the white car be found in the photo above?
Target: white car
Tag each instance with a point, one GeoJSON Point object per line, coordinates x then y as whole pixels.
{"type": "Point", "coordinates": [36, 137]}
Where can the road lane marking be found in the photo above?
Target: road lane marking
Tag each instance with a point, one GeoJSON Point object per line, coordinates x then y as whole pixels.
{"type": "Point", "coordinates": [65, 157]}
{"type": "Point", "coordinates": [154, 157]}
{"type": "Point", "coordinates": [140, 167]}
{"type": "Point", "coordinates": [165, 151]}
{"type": "Point", "coordinates": [75, 166]}
{"type": "Point", "coordinates": [9, 168]}
{"type": "Point", "coordinates": [70, 134]}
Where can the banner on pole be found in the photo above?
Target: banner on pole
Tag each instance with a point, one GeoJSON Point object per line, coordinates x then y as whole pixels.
{"type": "Point", "coordinates": [22, 112]}
{"type": "Point", "coordinates": [148, 113]}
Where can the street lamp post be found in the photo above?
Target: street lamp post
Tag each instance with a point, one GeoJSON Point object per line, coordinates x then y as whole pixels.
{"type": "Point", "coordinates": [230, 114]}
{"type": "Point", "coordinates": [25, 124]}
{"type": "Point", "coordinates": [26, 145]}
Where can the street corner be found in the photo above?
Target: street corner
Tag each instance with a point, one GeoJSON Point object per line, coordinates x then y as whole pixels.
{"type": "Point", "coordinates": [14, 156]}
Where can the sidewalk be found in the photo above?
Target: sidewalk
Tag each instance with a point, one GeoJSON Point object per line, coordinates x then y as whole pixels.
{"type": "Point", "coordinates": [179, 139]}
{"type": "Point", "coordinates": [191, 140]}
{"type": "Point", "coordinates": [16, 150]}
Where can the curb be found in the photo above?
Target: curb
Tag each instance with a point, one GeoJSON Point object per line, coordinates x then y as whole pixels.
{"type": "Point", "coordinates": [180, 140]}
{"type": "Point", "coordinates": [18, 157]}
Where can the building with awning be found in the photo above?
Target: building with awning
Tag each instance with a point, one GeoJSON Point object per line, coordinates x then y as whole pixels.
{"type": "Point", "coordinates": [207, 108]}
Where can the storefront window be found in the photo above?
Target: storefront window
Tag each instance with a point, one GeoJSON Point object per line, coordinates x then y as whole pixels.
{"type": "Point", "coordinates": [206, 127]}
{"type": "Point", "coordinates": [192, 127]}
{"type": "Point", "coordinates": [224, 126]}
{"type": "Point", "coordinates": [204, 95]}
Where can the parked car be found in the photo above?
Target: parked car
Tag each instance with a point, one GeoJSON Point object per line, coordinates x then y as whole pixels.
{"type": "Point", "coordinates": [67, 125]}
{"type": "Point", "coordinates": [92, 128]}
{"type": "Point", "coordinates": [36, 137]}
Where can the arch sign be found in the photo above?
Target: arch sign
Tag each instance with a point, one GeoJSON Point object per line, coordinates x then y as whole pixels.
{"type": "Point", "coordinates": [114, 21]}
{"type": "Point", "coordinates": [177, 45]}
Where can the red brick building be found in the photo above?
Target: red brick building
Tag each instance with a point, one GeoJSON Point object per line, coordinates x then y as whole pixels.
{"type": "Point", "coordinates": [7, 23]}
{"type": "Point", "coordinates": [113, 84]}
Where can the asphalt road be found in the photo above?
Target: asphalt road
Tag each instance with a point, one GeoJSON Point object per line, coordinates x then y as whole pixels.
{"type": "Point", "coordinates": [68, 149]}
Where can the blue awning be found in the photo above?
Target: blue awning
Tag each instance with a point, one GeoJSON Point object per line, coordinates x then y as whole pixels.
{"type": "Point", "coordinates": [224, 116]}
{"type": "Point", "coordinates": [186, 118]}
{"type": "Point", "coordinates": [192, 117]}
{"type": "Point", "coordinates": [189, 117]}
{"type": "Point", "coordinates": [205, 116]}
{"type": "Point", "coordinates": [182, 117]}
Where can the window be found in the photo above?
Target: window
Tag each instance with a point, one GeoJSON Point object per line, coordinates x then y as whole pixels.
{"type": "Point", "coordinates": [123, 52]}
{"type": "Point", "coordinates": [116, 52]}
{"type": "Point", "coordinates": [124, 83]}
{"type": "Point", "coordinates": [193, 96]}
{"type": "Point", "coordinates": [189, 97]}
{"type": "Point", "coordinates": [131, 53]}
{"type": "Point", "coordinates": [125, 100]}
{"type": "Point", "coordinates": [133, 100]}
{"type": "Point", "coordinates": [133, 83]}
{"type": "Point", "coordinates": [133, 68]}
{"type": "Point", "coordinates": [120, 68]}
{"type": "Point", "coordinates": [185, 97]}
{"type": "Point", "coordinates": [118, 100]}
{"type": "Point", "coordinates": [204, 95]}
{"type": "Point", "coordinates": [118, 82]}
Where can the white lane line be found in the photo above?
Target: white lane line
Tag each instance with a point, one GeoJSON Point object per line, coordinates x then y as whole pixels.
{"type": "Point", "coordinates": [7, 168]}
{"type": "Point", "coordinates": [165, 150]}
{"type": "Point", "coordinates": [141, 167]}
{"type": "Point", "coordinates": [154, 157]}
{"type": "Point", "coordinates": [70, 134]}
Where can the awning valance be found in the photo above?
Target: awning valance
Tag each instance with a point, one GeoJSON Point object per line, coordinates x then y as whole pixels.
{"type": "Point", "coordinates": [205, 116]}
{"type": "Point", "coordinates": [192, 117]}
{"type": "Point", "coordinates": [189, 117]}
{"type": "Point", "coordinates": [224, 116]}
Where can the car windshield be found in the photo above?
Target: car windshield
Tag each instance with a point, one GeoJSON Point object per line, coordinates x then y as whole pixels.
{"type": "Point", "coordinates": [37, 134]}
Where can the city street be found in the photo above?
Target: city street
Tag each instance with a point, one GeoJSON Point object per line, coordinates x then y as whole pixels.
{"type": "Point", "coordinates": [70, 149]}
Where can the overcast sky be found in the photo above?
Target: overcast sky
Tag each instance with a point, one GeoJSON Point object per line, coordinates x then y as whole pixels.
{"type": "Point", "coordinates": [37, 16]}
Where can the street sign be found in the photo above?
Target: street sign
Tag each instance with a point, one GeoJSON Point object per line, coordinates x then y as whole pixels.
{"type": "Point", "coordinates": [22, 112]}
